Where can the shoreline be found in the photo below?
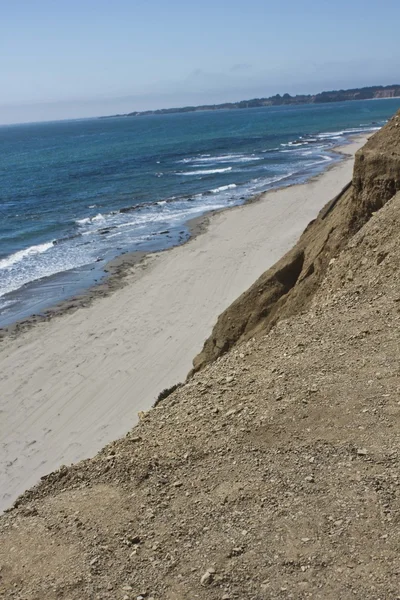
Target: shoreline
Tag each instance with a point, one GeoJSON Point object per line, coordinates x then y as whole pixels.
{"type": "Point", "coordinates": [71, 385]}
{"type": "Point", "coordinates": [117, 269]}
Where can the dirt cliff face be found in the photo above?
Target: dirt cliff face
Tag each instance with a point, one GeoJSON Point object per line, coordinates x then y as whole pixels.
{"type": "Point", "coordinates": [288, 287]}
{"type": "Point", "coordinates": [376, 176]}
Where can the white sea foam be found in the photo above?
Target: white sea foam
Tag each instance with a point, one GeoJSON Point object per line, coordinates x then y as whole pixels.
{"type": "Point", "coordinates": [98, 217]}
{"type": "Point", "coordinates": [5, 303]}
{"type": "Point", "coordinates": [338, 134]}
{"type": "Point", "coordinates": [83, 221]}
{"type": "Point", "coordinates": [324, 158]}
{"type": "Point", "coordinates": [327, 136]}
{"type": "Point", "coordinates": [262, 184]}
{"type": "Point", "coordinates": [161, 203]}
{"type": "Point", "coordinates": [35, 268]}
{"type": "Point", "coordinates": [223, 158]}
{"type": "Point", "coordinates": [207, 171]}
{"type": "Point", "coordinates": [292, 144]}
{"type": "Point", "coordinates": [112, 235]}
{"type": "Point", "coordinates": [15, 258]}
{"type": "Point", "coordinates": [320, 162]}
{"type": "Point", "coordinates": [224, 188]}
{"type": "Point", "coordinates": [281, 177]}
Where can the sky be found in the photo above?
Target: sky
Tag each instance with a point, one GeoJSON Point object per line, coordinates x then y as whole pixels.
{"type": "Point", "coordinates": [63, 59]}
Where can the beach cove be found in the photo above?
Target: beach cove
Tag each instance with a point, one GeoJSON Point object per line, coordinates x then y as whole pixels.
{"type": "Point", "coordinates": [72, 384]}
{"type": "Point", "coordinates": [76, 195]}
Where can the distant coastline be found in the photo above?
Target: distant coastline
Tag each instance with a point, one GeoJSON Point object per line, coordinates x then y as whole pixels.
{"type": "Point", "coordinates": [377, 92]}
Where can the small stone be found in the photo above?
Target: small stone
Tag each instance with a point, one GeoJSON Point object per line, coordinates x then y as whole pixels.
{"type": "Point", "coordinates": [134, 539]}
{"type": "Point", "coordinates": [236, 551]}
{"type": "Point", "coordinates": [206, 578]}
{"type": "Point", "coordinates": [229, 379]}
{"type": "Point", "coordinates": [177, 484]}
{"type": "Point", "coordinates": [127, 588]}
{"type": "Point", "coordinates": [226, 597]}
{"type": "Point", "coordinates": [94, 561]}
{"type": "Point", "coordinates": [362, 452]}
{"type": "Point", "coordinates": [310, 479]}
{"type": "Point", "coordinates": [29, 511]}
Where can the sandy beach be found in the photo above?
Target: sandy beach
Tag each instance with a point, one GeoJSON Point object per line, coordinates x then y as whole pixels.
{"type": "Point", "coordinates": [70, 385]}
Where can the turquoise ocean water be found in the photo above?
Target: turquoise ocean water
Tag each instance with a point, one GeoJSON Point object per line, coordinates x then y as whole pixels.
{"type": "Point", "coordinates": [75, 194]}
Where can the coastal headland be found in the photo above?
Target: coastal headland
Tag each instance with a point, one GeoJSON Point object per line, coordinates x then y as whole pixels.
{"type": "Point", "coordinates": [75, 382]}
{"type": "Point", "coordinates": [377, 92]}
{"type": "Point", "coordinates": [272, 472]}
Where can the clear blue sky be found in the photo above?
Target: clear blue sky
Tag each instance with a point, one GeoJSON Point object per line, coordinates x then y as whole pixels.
{"type": "Point", "coordinates": [77, 58]}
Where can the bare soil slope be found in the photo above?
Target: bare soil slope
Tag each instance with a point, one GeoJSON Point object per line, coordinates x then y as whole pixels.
{"type": "Point", "coordinates": [272, 473]}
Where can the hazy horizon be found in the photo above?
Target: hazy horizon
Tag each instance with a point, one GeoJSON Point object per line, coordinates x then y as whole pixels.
{"type": "Point", "coordinates": [90, 60]}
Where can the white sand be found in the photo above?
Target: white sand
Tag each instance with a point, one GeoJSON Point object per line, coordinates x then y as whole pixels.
{"type": "Point", "coordinates": [69, 386]}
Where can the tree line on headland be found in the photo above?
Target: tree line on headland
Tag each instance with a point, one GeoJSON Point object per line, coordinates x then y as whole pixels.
{"type": "Point", "coordinates": [365, 93]}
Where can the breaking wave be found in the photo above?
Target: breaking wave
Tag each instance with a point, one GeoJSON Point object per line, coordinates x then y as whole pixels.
{"type": "Point", "coordinates": [17, 257]}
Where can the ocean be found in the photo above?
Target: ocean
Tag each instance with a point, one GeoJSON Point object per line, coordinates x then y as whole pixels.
{"type": "Point", "coordinates": [76, 194]}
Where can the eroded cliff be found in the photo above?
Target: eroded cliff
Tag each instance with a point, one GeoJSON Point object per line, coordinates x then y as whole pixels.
{"type": "Point", "coordinates": [288, 287]}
